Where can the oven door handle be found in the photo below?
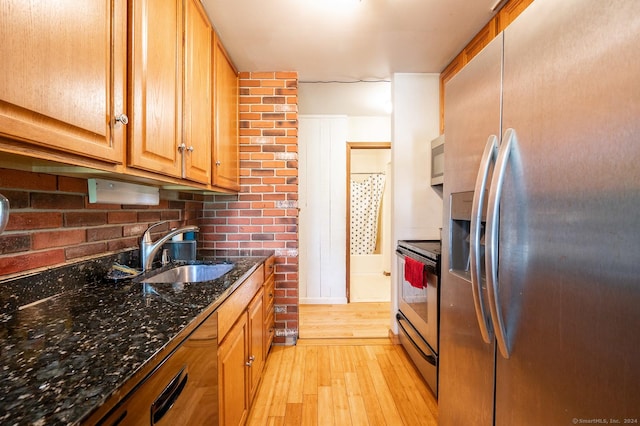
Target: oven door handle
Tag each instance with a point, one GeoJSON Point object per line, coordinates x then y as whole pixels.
{"type": "Point", "coordinates": [429, 265]}
{"type": "Point", "coordinates": [488, 157]}
{"type": "Point", "coordinates": [431, 359]}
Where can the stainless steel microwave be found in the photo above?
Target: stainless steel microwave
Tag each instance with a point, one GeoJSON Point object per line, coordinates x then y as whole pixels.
{"type": "Point", "coordinates": [437, 160]}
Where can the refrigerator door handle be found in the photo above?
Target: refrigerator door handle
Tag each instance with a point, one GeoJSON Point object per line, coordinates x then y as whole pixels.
{"type": "Point", "coordinates": [488, 157]}
{"type": "Point", "coordinates": [492, 240]}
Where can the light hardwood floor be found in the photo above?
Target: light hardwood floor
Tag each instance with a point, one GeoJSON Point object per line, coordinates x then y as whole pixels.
{"type": "Point", "coordinates": [342, 381]}
{"type": "Point", "coordinates": [359, 320]}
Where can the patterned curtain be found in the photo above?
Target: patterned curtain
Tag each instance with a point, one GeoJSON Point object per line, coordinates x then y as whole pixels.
{"type": "Point", "coordinates": [366, 197]}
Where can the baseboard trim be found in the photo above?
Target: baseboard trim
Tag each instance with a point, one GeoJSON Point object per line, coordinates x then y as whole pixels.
{"type": "Point", "coordinates": [394, 337]}
{"type": "Point", "coordinates": [323, 300]}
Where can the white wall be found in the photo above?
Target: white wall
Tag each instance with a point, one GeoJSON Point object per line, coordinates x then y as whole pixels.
{"type": "Point", "coordinates": [361, 99]}
{"type": "Point", "coordinates": [322, 202]}
{"type": "Point", "coordinates": [416, 206]}
{"type": "Point", "coordinates": [369, 129]}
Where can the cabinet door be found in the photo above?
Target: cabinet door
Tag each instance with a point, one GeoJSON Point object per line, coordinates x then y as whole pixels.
{"type": "Point", "coordinates": [510, 12]}
{"type": "Point", "coordinates": [447, 74]}
{"type": "Point", "coordinates": [256, 343]}
{"type": "Point", "coordinates": [155, 86]}
{"type": "Point", "coordinates": [197, 103]}
{"type": "Point", "coordinates": [62, 78]}
{"type": "Point", "coordinates": [226, 126]}
{"type": "Point", "coordinates": [232, 374]}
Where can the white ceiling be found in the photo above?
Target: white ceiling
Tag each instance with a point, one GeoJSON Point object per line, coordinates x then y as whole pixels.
{"type": "Point", "coordinates": [346, 40]}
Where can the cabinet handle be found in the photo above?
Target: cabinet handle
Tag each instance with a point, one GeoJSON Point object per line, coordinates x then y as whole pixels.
{"type": "Point", "coordinates": [182, 147]}
{"type": "Point", "coordinates": [169, 395]}
{"type": "Point", "coordinates": [251, 359]}
{"type": "Point", "coordinates": [431, 359]}
{"type": "Point", "coordinates": [122, 118]}
{"type": "Point", "coordinates": [218, 163]}
{"type": "Point", "coordinates": [190, 149]}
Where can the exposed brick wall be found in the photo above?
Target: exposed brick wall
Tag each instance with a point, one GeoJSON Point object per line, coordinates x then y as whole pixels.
{"type": "Point", "coordinates": [263, 217]}
{"type": "Point", "coordinates": [51, 221]}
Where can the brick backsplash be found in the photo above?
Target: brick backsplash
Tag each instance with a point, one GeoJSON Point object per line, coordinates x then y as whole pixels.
{"type": "Point", "coordinates": [263, 217]}
{"type": "Point", "coordinates": [51, 221]}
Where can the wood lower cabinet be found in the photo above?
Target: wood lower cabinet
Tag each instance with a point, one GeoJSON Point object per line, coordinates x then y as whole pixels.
{"type": "Point", "coordinates": [182, 390]}
{"type": "Point", "coordinates": [242, 352]}
{"type": "Point", "coordinates": [226, 155]}
{"type": "Point", "coordinates": [63, 77]}
{"type": "Point", "coordinates": [241, 362]}
{"type": "Point", "coordinates": [233, 379]}
{"type": "Point", "coordinates": [256, 343]}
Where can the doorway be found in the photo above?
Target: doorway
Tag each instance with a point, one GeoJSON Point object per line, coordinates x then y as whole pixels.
{"type": "Point", "coordinates": [368, 222]}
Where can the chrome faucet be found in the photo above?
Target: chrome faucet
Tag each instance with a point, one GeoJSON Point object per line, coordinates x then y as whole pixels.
{"type": "Point", "coordinates": [148, 248]}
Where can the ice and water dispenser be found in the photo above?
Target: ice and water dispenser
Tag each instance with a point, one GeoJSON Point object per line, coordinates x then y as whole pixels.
{"type": "Point", "coordinates": [460, 232]}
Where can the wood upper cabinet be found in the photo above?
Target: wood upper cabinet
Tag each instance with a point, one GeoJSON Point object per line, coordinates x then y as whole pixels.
{"type": "Point", "coordinates": [226, 156]}
{"type": "Point", "coordinates": [447, 74]}
{"type": "Point", "coordinates": [510, 12]}
{"type": "Point", "coordinates": [197, 100]}
{"type": "Point", "coordinates": [484, 36]}
{"type": "Point", "coordinates": [170, 89]}
{"type": "Point", "coordinates": [63, 74]}
{"type": "Point", "coordinates": [155, 86]}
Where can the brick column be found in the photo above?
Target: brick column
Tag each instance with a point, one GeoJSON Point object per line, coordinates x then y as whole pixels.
{"type": "Point", "coordinates": [263, 217]}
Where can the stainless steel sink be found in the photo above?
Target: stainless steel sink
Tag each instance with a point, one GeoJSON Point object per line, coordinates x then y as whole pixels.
{"type": "Point", "coordinates": [190, 273]}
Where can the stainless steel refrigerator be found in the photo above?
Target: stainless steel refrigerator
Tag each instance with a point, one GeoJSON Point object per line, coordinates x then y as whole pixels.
{"type": "Point", "coordinates": [540, 296]}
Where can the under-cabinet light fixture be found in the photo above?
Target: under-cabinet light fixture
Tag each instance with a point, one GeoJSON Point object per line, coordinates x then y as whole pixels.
{"type": "Point", "coordinates": [114, 192]}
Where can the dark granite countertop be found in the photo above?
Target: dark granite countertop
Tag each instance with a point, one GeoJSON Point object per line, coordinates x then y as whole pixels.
{"type": "Point", "coordinates": [63, 357]}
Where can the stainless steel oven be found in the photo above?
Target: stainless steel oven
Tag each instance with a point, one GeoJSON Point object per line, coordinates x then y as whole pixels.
{"type": "Point", "coordinates": [419, 307]}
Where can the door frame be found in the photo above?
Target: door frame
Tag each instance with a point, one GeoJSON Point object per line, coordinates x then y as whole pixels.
{"type": "Point", "coordinates": [350, 146]}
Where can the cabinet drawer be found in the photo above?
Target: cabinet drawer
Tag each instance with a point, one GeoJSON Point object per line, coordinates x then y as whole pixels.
{"type": "Point", "coordinates": [269, 333]}
{"type": "Point", "coordinates": [269, 267]}
{"type": "Point", "coordinates": [233, 307]}
{"type": "Point", "coordinates": [269, 295]}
